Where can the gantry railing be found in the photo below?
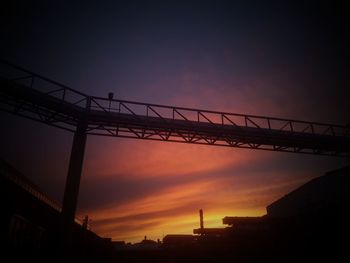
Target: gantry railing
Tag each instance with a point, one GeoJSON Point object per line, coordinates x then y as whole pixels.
{"type": "Point", "coordinates": [33, 96]}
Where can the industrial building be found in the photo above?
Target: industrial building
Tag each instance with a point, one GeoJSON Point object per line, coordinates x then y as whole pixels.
{"type": "Point", "coordinates": [31, 224]}
{"type": "Point", "coordinates": [306, 222]}
{"type": "Point", "coordinates": [320, 195]}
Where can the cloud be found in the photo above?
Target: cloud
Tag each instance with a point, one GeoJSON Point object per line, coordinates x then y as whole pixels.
{"type": "Point", "coordinates": [151, 159]}
{"type": "Point", "coordinates": [173, 206]}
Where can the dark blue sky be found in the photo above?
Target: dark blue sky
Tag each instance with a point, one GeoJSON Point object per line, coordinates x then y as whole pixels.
{"type": "Point", "coordinates": [131, 46]}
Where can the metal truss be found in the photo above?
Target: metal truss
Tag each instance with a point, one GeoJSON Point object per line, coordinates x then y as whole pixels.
{"type": "Point", "coordinates": [35, 97]}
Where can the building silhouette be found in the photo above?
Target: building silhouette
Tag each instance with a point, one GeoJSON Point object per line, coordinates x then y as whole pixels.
{"type": "Point", "coordinates": [320, 195]}
{"type": "Point", "coordinates": [31, 225]}
{"type": "Point", "coordinates": [307, 223]}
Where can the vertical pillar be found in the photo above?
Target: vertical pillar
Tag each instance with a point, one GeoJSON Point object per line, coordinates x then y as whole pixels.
{"type": "Point", "coordinates": [71, 191]}
{"type": "Point", "coordinates": [201, 219]}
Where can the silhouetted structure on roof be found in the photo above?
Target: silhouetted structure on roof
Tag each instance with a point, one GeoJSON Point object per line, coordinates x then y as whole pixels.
{"type": "Point", "coordinates": [259, 223]}
{"type": "Point", "coordinates": [201, 219]}
{"type": "Point", "coordinates": [207, 231]}
{"type": "Point", "coordinates": [146, 244]}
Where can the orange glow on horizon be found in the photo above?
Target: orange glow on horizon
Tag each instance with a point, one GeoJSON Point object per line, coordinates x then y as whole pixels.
{"type": "Point", "coordinates": [174, 209]}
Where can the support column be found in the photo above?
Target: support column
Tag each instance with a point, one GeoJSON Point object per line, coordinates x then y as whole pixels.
{"type": "Point", "coordinates": [201, 221]}
{"type": "Point", "coordinates": [71, 191]}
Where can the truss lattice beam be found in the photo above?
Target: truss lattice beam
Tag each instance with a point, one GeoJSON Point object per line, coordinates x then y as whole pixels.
{"type": "Point", "coordinates": [33, 96]}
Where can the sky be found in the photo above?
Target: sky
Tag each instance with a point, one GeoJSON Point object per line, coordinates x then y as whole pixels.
{"type": "Point", "coordinates": [285, 59]}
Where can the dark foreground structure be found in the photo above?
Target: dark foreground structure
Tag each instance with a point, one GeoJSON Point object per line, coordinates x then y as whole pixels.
{"type": "Point", "coordinates": [31, 226]}
{"type": "Point", "coordinates": [307, 224]}
{"type": "Point", "coordinates": [310, 223]}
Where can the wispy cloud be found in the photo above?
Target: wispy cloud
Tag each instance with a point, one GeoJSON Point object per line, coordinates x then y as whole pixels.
{"type": "Point", "coordinates": [171, 205]}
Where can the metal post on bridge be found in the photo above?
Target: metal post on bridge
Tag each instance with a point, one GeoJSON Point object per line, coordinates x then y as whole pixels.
{"type": "Point", "coordinates": [71, 191]}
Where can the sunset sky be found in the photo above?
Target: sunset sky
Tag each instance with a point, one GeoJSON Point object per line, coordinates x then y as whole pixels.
{"type": "Point", "coordinates": [287, 59]}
